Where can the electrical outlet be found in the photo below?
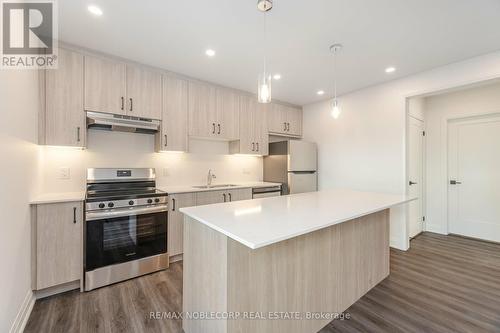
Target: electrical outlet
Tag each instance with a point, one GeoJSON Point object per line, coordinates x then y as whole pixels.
{"type": "Point", "coordinates": [63, 173]}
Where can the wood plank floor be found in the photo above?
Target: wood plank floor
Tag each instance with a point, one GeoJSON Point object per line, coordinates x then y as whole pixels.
{"type": "Point", "coordinates": [443, 284]}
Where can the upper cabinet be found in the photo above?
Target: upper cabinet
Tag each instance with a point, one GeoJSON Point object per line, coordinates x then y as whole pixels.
{"type": "Point", "coordinates": [213, 112]}
{"type": "Point", "coordinates": [174, 128]}
{"type": "Point", "coordinates": [285, 120]}
{"type": "Point", "coordinates": [114, 87]}
{"type": "Point", "coordinates": [254, 137]}
{"type": "Point", "coordinates": [63, 119]}
{"type": "Point", "coordinates": [105, 85]}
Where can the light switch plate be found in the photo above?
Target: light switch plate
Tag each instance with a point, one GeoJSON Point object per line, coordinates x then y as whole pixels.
{"type": "Point", "coordinates": [63, 173]}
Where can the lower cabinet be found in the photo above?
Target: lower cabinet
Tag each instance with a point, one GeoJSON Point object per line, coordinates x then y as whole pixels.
{"type": "Point", "coordinates": [57, 230]}
{"type": "Point", "coordinates": [176, 221]}
{"type": "Point", "coordinates": [176, 218]}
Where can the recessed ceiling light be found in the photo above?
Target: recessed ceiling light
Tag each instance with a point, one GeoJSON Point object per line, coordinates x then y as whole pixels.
{"type": "Point", "coordinates": [210, 52]}
{"type": "Point", "coordinates": [95, 10]}
{"type": "Point", "coordinates": [320, 92]}
{"type": "Point", "coordinates": [390, 69]}
{"type": "Point", "coordinates": [277, 76]}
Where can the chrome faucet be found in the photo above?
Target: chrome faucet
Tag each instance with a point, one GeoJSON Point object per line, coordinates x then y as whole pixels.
{"type": "Point", "coordinates": [210, 176]}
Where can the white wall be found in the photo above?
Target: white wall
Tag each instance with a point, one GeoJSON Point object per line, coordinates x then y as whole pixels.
{"type": "Point", "coordinates": [18, 133]}
{"type": "Point", "coordinates": [126, 150]}
{"type": "Point", "coordinates": [438, 110]}
{"type": "Point", "coordinates": [366, 147]}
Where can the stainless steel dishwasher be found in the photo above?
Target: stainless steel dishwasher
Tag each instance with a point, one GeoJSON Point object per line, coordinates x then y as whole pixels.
{"type": "Point", "coordinates": [266, 192]}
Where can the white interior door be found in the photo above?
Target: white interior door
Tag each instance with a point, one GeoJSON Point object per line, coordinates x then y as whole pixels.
{"type": "Point", "coordinates": [415, 184]}
{"type": "Point", "coordinates": [474, 178]}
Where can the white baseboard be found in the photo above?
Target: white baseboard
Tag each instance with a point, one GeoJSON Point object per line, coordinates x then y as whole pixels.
{"type": "Point", "coordinates": [398, 244]}
{"type": "Point", "coordinates": [24, 313]}
{"type": "Point", "coordinates": [436, 228]}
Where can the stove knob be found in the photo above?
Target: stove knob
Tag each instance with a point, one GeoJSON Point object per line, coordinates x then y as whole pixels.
{"type": "Point", "coordinates": [157, 200]}
{"type": "Point", "coordinates": [111, 205]}
{"type": "Point", "coordinates": [150, 201]}
{"type": "Point", "coordinates": [101, 205]}
{"type": "Point", "coordinates": [131, 202]}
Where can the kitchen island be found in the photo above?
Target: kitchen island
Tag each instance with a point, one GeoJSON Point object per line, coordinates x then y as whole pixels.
{"type": "Point", "coordinates": [283, 264]}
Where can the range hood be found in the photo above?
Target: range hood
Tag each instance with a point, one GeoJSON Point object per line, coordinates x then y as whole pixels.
{"type": "Point", "coordinates": [115, 122]}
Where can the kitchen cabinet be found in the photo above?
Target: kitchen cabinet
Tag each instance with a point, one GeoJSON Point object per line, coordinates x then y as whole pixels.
{"type": "Point", "coordinates": [117, 88]}
{"type": "Point", "coordinates": [211, 197]}
{"type": "Point", "coordinates": [174, 128]}
{"type": "Point", "coordinates": [176, 221]}
{"type": "Point", "coordinates": [57, 232]}
{"type": "Point", "coordinates": [63, 120]}
{"type": "Point", "coordinates": [143, 93]}
{"type": "Point", "coordinates": [285, 120]}
{"type": "Point", "coordinates": [213, 112]}
{"type": "Point", "coordinates": [254, 137]}
{"type": "Point", "coordinates": [240, 194]}
{"type": "Point", "coordinates": [105, 85]}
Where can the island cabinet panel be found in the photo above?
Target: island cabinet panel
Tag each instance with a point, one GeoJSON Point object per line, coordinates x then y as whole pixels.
{"type": "Point", "coordinates": [174, 128]}
{"type": "Point", "coordinates": [57, 244]}
{"type": "Point", "coordinates": [105, 85]}
{"type": "Point", "coordinates": [323, 271]}
{"type": "Point", "coordinates": [143, 93]}
{"type": "Point", "coordinates": [176, 221]}
{"type": "Point", "coordinates": [63, 123]}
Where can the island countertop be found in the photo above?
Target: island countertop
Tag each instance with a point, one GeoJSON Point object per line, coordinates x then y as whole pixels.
{"type": "Point", "coordinates": [260, 222]}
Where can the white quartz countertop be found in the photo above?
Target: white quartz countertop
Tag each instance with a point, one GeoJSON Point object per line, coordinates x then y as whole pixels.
{"type": "Point", "coordinates": [192, 188]}
{"type": "Point", "coordinates": [260, 222]}
{"type": "Point", "coordinates": [47, 198]}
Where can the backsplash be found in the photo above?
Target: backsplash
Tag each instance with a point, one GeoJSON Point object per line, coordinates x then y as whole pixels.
{"type": "Point", "coordinates": [64, 169]}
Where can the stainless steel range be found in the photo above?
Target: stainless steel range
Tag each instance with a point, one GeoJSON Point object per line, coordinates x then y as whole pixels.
{"type": "Point", "coordinates": [126, 226]}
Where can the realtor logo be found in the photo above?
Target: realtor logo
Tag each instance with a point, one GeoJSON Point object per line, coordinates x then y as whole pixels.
{"type": "Point", "coordinates": [28, 34]}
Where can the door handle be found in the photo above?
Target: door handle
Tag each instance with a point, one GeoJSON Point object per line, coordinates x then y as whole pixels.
{"type": "Point", "coordinates": [230, 199]}
{"type": "Point", "coordinates": [123, 102]}
{"type": "Point", "coordinates": [166, 140]}
{"type": "Point", "coordinates": [455, 182]}
{"type": "Point", "coordinates": [224, 196]}
{"type": "Point", "coordinates": [131, 105]}
{"type": "Point", "coordinates": [412, 183]}
{"type": "Point", "coordinates": [173, 204]}
{"type": "Point", "coordinates": [218, 125]}
{"type": "Point", "coordinates": [74, 214]}
{"type": "Point", "coordinates": [213, 130]}
{"type": "Point", "coordinates": [78, 134]}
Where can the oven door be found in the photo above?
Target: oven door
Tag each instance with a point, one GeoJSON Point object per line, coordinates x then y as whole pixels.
{"type": "Point", "coordinates": [122, 235]}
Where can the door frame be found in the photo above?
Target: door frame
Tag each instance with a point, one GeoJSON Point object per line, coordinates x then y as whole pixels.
{"type": "Point", "coordinates": [424, 183]}
{"type": "Point", "coordinates": [445, 125]}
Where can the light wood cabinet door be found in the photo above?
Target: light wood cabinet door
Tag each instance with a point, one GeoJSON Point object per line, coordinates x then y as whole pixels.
{"type": "Point", "coordinates": [176, 221]}
{"type": "Point", "coordinates": [174, 135]}
{"type": "Point", "coordinates": [143, 93]}
{"type": "Point", "coordinates": [105, 85]}
{"type": "Point", "coordinates": [294, 121]}
{"type": "Point", "coordinates": [261, 134]}
{"type": "Point", "coordinates": [228, 113]}
{"type": "Point", "coordinates": [246, 144]}
{"type": "Point", "coordinates": [64, 115]}
{"type": "Point", "coordinates": [58, 237]}
{"type": "Point", "coordinates": [239, 194]}
{"type": "Point", "coordinates": [210, 197]}
{"type": "Point", "coordinates": [277, 120]}
{"type": "Point", "coordinates": [202, 110]}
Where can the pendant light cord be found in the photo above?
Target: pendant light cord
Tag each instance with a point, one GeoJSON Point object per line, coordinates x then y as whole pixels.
{"type": "Point", "coordinates": [265, 42]}
{"type": "Point", "coordinates": [335, 76]}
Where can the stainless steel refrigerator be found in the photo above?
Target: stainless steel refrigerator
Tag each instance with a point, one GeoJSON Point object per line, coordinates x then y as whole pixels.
{"type": "Point", "coordinates": [294, 164]}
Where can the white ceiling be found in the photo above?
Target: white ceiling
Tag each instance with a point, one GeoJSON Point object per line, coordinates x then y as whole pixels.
{"type": "Point", "coordinates": [412, 35]}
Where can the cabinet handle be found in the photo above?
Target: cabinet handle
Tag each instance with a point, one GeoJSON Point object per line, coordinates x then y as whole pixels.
{"type": "Point", "coordinates": [166, 140]}
{"type": "Point", "coordinates": [285, 126]}
{"type": "Point", "coordinates": [78, 134]}
{"type": "Point", "coordinates": [131, 105]}
{"type": "Point", "coordinates": [230, 199]}
{"type": "Point", "coordinates": [218, 125]}
{"type": "Point", "coordinates": [257, 144]}
{"type": "Point", "coordinates": [213, 130]}
{"type": "Point", "coordinates": [253, 146]}
{"type": "Point", "coordinates": [288, 127]}
{"type": "Point", "coordinates": [173, 204]}
{"type": "Point", "coordinates": [74, 214]}
{"type": "Point", "coordinates": [224, 196]}
{"type": "Point", "coordinates": [123, 102]}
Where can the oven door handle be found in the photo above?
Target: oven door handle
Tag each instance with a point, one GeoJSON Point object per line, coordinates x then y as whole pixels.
{"type": "Point", "coordinates": [120, 212]}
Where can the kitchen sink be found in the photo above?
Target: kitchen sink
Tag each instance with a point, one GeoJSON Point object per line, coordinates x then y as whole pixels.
{"type": "Point", "coordinates": [215, 186]}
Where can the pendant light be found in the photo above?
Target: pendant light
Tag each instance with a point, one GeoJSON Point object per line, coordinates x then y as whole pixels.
{"type": "Point", "coordinates": [264, 82]}
{"type": "Point", "coordinates": [335, 111]}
